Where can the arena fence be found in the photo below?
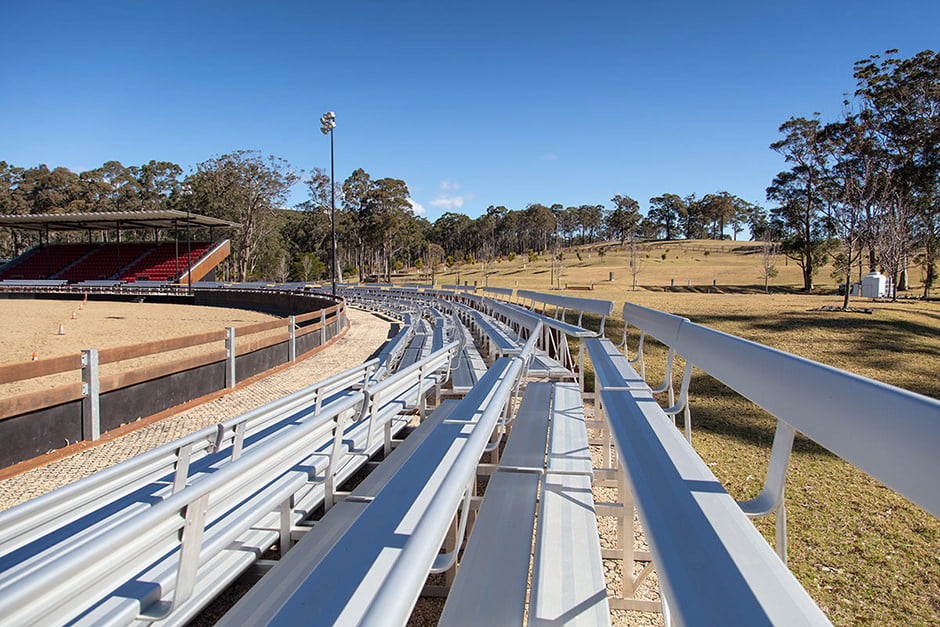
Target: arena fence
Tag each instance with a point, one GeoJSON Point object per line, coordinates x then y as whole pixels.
{"type": "Point", "coordinates": [34, 423]}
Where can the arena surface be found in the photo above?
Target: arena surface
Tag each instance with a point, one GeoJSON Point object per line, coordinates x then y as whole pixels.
{"type": "Point", "coordinates": [32, 326]}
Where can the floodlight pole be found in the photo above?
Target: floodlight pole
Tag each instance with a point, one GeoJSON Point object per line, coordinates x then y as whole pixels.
{"type": "Point", "coordinates": [328, 122]}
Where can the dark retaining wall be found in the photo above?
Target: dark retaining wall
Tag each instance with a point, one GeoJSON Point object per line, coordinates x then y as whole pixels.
{"type": "Point", "coordinates": [124, 405]}
{"type": "Point", "coordinates": [28, 435]}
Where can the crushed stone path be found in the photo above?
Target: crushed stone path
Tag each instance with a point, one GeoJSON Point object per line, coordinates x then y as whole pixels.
{"type": "Point", "coordinates": [366, 334]}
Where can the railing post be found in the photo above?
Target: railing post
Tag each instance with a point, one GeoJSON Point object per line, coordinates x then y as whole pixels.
{"type": "Point", "coordinates": [230, 357]}
{"type": "Point", "coordinates": [91, 389]}
{"type": "Point", "coordinates": [292, 343]}
{"type": "Point", "coordinates": [322, 327]}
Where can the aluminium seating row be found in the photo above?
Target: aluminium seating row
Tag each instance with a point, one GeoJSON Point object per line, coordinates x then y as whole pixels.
{"type": "Point", "coordinates": [713, 564]}
{"type": "Point", "coordinates": [468, 365]}
{"type": "Point", "coordinates": [542, 482]}
{"type": "Point", "coordinates": [369, 556]}
{"type": "Point", "coordinates": [298, 451]}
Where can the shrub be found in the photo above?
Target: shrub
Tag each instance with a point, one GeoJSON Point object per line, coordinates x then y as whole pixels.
{"type": "Point", "coordinates": [512, 256]}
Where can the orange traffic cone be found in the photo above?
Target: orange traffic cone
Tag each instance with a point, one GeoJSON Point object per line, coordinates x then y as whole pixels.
{"type": "Point", "coordinates": [74, 315]}
{"type": "Point", "coordinates": [35, 357]}
{"type": "Point", "coordinates": [82, 306]}
{"type": "Point", "coordinates": [61, 329]}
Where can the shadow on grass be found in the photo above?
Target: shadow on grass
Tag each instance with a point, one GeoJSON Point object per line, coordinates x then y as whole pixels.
{"type": "Point", "coordinates": [719, 410]}
{"type": "Point", "coordinates": [882, 344]}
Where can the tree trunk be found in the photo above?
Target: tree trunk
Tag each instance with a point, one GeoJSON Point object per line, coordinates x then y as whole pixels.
{"type": "Point", "coordinates": [807, 274]}
{"type": "Point", "coordinates": [848, 287]}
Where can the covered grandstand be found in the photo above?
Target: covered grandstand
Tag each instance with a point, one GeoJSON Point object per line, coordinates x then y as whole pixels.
{"type": "Point", "coordinates": [116, 261]}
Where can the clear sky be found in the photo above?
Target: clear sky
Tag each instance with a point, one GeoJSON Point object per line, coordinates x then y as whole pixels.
{"type": "Point", "coordinates": [472, 103]}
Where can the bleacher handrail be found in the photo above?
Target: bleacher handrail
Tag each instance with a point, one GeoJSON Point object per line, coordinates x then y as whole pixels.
{"type": "Point", "coordinates": [390, 605]}
{"type": "Point", "coordinates": [587, 305]}
{"type": "Point", "coordinates": [890, 433]}
{"type": "Point", "coordinates": [163, 460]}
{"type": "Point", "coordinates": [48, 594]}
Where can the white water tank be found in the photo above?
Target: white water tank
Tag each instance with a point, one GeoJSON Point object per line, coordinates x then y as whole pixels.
{"type": "Point", "coordinates": [874, 285]}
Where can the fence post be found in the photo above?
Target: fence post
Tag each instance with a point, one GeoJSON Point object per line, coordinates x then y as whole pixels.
{"type": "Point", "coordinates": [91, 408]}
{"type": "Point", "coordinates": [322, 327]}
{"type": "Point", "coordinates": [230, 357]}
{"type": "Point", "coordinates": [292, 343]}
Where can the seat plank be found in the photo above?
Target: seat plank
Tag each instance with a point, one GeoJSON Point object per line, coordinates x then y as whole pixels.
{"type": "Point", "coordinates": [490, 588]}
{"type": "Point", "coordinates": [715, 567]}
{"type": "Point", "coordinates": [568, 586]}
{"type": "Point", "coordinates": [611, 367]}
{"type": "Point", "coordinates": [568, 450]}
{"type": "Point", "coordinates": [526, 446]}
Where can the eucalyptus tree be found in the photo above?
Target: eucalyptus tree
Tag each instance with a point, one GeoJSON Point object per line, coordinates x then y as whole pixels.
{"type": "Point", "coordinates": [307, 231]}
{"type": "Point", "coordinates": [903, 98]}
{"type": "Point", "coordinates": [568, 222]}
{"type": "Point", "coordinates": [246, 188]}
{"type": "Point", "coordinates": [354, 190]}
{"type": "Point", "coordinates": [665, 211]}
{"type": "Point", "coordinates": [855, 186]}
{"type": "Point", "coordinates": [384, 212]}
{"type": "Point", "coordinates": [693, 218]}
{"type": "Point", "coordinates": [11, 203]}
{"type": "Point", "coordinates": [540, 223]}
{"type": "Point", "coordinates": [799, 194]}
{"type": "Point", "coordinates": [156, 184]}
{"type": "Point", "coordinates": [623, 219]}
{"type": "Point", "coordinates": [450, 231]}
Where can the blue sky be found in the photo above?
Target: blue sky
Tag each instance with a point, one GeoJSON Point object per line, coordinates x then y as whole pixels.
{"type": "Point", "coordinates": [471, 103]}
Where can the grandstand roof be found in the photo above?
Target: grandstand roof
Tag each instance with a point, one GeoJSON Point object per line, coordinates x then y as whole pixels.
{"type": "Point", "coordinates": [111, 220]}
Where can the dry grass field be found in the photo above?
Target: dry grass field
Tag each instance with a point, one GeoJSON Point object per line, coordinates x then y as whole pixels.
{"type": "Point", "coordinates": [864, 553]}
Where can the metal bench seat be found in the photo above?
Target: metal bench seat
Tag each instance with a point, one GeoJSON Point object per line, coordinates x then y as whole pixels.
{"type": "Point", "coordinates": [496, 340]}
{"type": "Point", "coordinates": [302, 477]}
{"type": "Point", "coordinates": [545, 467]}
{"type": "Point", "coordinates": [548, 367]}
{"type": "Point", "coordinates": [371, 553]}
{"type": "Point", "coordinates": [468, 364]}
{"type": "Point", "coordinates": [713, 565]}
{"type": "Point", "coordinates": [32, 531]}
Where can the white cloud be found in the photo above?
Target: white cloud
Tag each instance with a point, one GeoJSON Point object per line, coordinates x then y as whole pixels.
{"type": "Point", "coordinates": [418, 208]}
{"type": "Point", "coordinates": [449, 203]}
{"type": "Point", "coordinates": [449, 186]}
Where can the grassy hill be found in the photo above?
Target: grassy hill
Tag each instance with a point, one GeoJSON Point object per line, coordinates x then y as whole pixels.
{"type": "Point", "coordinates": [697, 264]}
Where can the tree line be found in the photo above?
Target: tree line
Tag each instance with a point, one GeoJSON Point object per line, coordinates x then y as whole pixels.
{"type": "Point", "coordinates": [377, 229]}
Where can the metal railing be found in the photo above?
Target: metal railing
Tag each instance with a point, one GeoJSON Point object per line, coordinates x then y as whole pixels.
{"type": "Point", "coordinates": [174, 511]}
